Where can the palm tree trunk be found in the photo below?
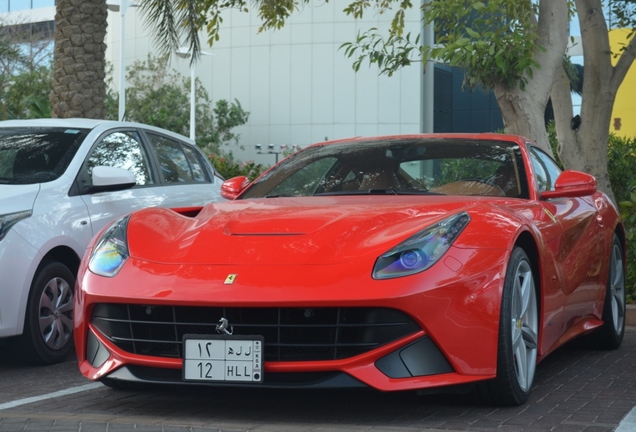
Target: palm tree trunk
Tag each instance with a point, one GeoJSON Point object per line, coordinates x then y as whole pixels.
{"type": "Point", "coordinates": [79, 88]}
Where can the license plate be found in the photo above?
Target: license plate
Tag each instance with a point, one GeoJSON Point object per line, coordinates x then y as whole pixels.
{"type": "Point", "coordinates": [223, 358]}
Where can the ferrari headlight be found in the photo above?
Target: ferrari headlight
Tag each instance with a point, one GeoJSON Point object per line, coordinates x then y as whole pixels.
{"type": "Point", "coordinates": [10, 219]}
{"type": "Point", "coordinates": [111, 250]}
{"type": "Point", "coordinates": [422, 250]}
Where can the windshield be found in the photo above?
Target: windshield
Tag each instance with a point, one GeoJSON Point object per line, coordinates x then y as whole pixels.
{"type": "Point", "coordinates": [448, 166]}
{"type": "Point", "coordinates": [37, 155]}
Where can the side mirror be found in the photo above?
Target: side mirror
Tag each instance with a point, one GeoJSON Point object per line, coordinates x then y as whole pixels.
{"type": "Point", "coordinates": [110, 179]}
{"type": "Point", "coordinates": [233, 187]}
{"type": "Point", "coordinates": [572, 184]}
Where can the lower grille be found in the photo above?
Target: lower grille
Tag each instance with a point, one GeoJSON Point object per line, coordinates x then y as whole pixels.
{"type": "Point", "coordinates": [291, 334]}
{"type": "Point", "coordinates": [144, 374]}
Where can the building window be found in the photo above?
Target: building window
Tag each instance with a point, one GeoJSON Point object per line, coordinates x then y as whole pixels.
{"type": "Point", "coordinates": [20, 5]}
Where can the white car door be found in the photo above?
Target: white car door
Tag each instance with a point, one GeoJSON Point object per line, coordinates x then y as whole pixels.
{"type": "Point", "coordinates": [186, 176]}
{"type": "Point", "coordinates": [125, 149]}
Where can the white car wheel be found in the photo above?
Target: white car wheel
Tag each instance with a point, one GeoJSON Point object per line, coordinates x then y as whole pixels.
{"type": "Point", "coordinates": [48, 328]}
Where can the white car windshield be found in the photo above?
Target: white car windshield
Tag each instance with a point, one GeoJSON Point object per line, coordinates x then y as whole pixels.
{"type": "Point", "coordinates": [37, 155]}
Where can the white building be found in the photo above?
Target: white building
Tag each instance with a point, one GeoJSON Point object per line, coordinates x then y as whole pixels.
{"type": "Point", "coordinates": [297, 85]}
{"type": "Point", "coordinates": [26, 11]}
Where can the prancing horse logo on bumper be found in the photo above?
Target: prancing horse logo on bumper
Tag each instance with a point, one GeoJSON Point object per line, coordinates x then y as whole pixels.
{"type": "Point", "coordinates": [229, 280]}
{"type": "Point", "coordinates": [224, 326]}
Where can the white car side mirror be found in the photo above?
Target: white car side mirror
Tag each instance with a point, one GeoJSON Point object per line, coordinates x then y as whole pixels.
{"type": "Point", "coordinates": [111, 178]}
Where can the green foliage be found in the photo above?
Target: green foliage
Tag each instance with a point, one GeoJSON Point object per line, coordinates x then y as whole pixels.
{"type": "Point", "coordinates": [26, 94]}
{"type": "Point", "coordinates": [621, 163]}
{"type": "Point", "coordinates": [622, 171]}
{"type": "Point", "coordinates": [554, 143]}
{"type": "Point", "coordinates": [228, 167]}
{"type": "Point", "coordinates": [8, 51]}
{"type": "Point", "coordinates": [173, 21]}
{"type": "Point", "coordinates": [227, 116]}
{"type": "Point", "coordinates": [390, 54]}
{"type": "Point", "coordinates": [622, 14]}
{"type": "Point", "coordinates": [493, 41]}
{"type": "Point", "coordinates": [160, 97]}
{"type": "Point", "coordinates": [25, 77]}
{"type": "Point", "coordinates": [628, 213]}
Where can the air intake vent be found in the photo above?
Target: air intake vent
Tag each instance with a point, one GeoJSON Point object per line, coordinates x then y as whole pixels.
{"type": "Point", "coordinates": [291, 334]}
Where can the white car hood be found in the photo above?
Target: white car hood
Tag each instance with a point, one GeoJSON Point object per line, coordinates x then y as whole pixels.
{"type": "Point", "coordinates": [15, 198]}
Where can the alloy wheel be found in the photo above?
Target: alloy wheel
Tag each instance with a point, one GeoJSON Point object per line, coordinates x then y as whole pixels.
{"type": "Point", "coordinates": [617, 289]}
{"type": "Point", "coordinates": [524, 325]}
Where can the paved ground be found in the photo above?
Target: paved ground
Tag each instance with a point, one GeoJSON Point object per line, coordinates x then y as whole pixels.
{"type": "Point", "coordinates": [576, 390]}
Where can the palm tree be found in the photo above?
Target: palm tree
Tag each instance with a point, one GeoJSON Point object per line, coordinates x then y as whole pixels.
{"type": "Point", "coordinates": [174, 20]}
{"type": "Point", "coordinates": [79, 88]}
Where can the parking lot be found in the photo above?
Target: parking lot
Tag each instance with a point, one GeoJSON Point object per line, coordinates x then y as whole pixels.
{"type": "Point", "coordinates": [576, 390]}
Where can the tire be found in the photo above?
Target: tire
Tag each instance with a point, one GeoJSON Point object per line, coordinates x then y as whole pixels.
{"type": "Point", "coordinates": [518, 336]}
{"type": "Point", "coordinates": [48, 325]}
{"type": "Point", "coordinates": [610, 335]}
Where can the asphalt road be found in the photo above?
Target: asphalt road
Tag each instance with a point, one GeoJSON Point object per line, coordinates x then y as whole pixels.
{"type": "Point", "coordinates": [576, 390]}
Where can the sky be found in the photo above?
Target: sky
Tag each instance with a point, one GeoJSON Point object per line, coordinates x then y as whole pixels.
{"type": "Point", "coordinates": [575, 30]}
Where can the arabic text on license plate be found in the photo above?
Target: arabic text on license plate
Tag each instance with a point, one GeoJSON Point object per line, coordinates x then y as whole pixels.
{"type": "Point", "coordinates": [222, 358]}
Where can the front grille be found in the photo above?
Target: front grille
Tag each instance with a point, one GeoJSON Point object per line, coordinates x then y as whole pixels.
{"type": "Point", "coordinates": [272, 379]}
{"type": "Point", "coordinates": [291, 334]}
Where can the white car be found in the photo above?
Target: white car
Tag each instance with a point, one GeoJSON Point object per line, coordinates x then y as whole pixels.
{"type": "Point", "coordinates": [61, 182]}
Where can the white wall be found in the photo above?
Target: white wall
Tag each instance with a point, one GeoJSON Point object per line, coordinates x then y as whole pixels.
{"type": "Point", "coordinates": [297, 85]}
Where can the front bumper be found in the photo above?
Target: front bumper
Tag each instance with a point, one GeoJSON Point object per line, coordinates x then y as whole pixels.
{"type": "Point", "coordinates": [420, 360]}
{"type": "Point", "coordinates": [452, 338]}
{"type": "Point", "coordinates": [18, 262]}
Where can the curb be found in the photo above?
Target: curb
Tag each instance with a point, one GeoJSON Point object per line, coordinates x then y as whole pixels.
{"type": "Point", "coordinates": [630, 315]}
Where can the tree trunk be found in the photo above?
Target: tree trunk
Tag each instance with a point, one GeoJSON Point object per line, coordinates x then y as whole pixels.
{"type": "Point", "coordinates": [569, 149]}
{"type": "Point", "coordinates": [585, 148]}
{"type": "Point", "coordinates": [522, 113]}
{"type": "Point", "coordinates": [523, 110]}
{"type": "Point", "coordinates": [79, 88]}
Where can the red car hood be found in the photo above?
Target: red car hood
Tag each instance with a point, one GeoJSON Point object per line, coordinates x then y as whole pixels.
{"type": "Point", "coordinates": [285, 231]}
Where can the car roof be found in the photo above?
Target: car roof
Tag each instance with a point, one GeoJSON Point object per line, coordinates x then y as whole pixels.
{"type": "Point", "coordinates": [85, 123]}
{"type": "Point", "coordinates": [479, 136]}
{"type": "Point", "coordinates": [66, 122]}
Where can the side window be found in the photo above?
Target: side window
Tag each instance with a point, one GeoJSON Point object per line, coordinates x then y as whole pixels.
{"type": "Point", "coordinates": [198, 170]}
{"type": "Point", "coordinates": [173, 161]}
{"type": "Point", "coordinates": [546, 170]}
{"type": "Point", "coordinates": [122, 150]}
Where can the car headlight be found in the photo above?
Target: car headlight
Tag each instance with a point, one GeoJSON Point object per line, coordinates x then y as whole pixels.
{"type": "Point", "coordinates": [10, 219]}
{"type": "Point", "coordinates": [422, 250]}
{"type": "Point", "coordinates": [111, 250]}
